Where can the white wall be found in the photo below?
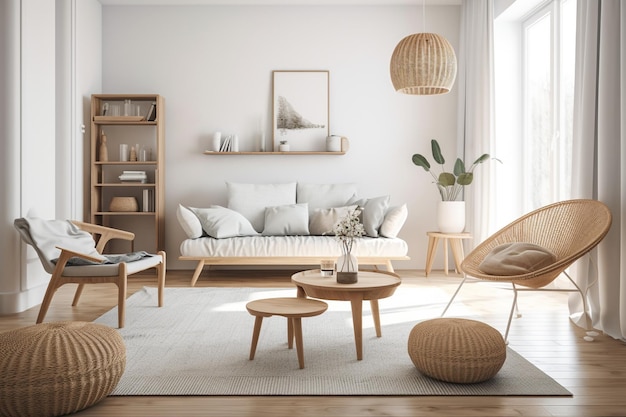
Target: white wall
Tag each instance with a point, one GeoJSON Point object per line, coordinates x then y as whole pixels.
{"type": "Point", "coordinates": [213, 65]}
{"type": "Point", "coordinates": [28, 185]}
{"type": "Point", "coordinates": [41, 147]}
{"type": "Point", "coordinates": [79, 73]}
{"type": "Point", "coordinates": [9, 153]}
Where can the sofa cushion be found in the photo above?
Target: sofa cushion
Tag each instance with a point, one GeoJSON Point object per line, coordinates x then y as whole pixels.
{"type": "Point", "coordinates": [189, 222]}
{"type": "Point", "coordinates": [221, 222]}
{"type": "Point", "coordinates": [394, 220]}
{"type": "Point", "coordinates": [286, 246]}
{"type": "Point", "coordinates": [373, 214]}
{"type": "Point", "coordinates": [325, 195]}
{"type": "Point", "coordinates": [287, 220]}
{"type": "Point", "coordinates": [251, 199]}
{"type": "Point", "coordinates": [322, 221]}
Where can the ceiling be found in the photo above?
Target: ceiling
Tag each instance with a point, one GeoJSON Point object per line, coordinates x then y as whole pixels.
{"type": "Point", "coordinates": [278, 2]}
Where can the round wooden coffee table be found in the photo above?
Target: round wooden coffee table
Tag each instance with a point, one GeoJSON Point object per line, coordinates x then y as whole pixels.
{"type": "Point", "coordinates": [372, 286]}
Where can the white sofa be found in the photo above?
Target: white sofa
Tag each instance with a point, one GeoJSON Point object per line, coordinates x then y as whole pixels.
{"type": "Point", "coordinates": [288, 224]}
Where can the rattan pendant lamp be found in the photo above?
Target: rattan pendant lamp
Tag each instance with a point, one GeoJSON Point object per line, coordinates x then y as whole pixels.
{"type": "Point", "coordinates": [423, 64]}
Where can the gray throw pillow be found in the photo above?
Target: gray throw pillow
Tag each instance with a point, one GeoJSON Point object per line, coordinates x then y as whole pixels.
{"type": "Point", "coordinates": [220, 222]}
{"type": "Point", "coordinates": [373, 214]}
{"type": "Point", "coordinates": [287, 220]}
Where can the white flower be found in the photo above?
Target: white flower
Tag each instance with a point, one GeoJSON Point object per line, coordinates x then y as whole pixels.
{"type": "Point", "coordinates": [348, 228]}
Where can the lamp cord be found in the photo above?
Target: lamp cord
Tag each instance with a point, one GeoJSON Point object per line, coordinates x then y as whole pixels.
{"type": "Point", "coordinates": [424, 16]}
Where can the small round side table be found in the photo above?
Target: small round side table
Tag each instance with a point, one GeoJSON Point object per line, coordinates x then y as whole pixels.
{"type": "Point", "coordinates": [456, 244]}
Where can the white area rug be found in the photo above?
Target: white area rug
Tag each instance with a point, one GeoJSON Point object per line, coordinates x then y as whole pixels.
{"type": "Point", "coordinates": [199, 342]}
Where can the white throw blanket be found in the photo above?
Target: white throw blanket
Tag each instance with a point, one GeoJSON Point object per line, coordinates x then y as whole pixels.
{"type": "Point", "coordinates": [46, 235]}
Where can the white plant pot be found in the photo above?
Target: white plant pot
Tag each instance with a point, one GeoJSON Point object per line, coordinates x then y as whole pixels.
{"type": "Point", "coordinates": [451, 216]}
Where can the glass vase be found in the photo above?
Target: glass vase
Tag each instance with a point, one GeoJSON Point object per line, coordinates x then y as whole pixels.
{"type": "Point", "coordinates": [347, 269]}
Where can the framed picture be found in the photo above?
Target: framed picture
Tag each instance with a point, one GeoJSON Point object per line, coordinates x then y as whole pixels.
{"type": "Point", "coordinates": [300, 109]}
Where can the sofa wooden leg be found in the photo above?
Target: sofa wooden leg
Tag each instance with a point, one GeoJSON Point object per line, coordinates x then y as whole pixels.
{"type": "Point", "coordinates": [196, 273]}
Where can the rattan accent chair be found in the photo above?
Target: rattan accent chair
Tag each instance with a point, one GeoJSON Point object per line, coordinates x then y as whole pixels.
{"type": "Point", "coordinates": [569, 229]}
{"type": "Point", "coordinates": [64, 273]}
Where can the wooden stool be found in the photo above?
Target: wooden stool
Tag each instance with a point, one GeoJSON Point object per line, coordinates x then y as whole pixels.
{"type": "Point", "coordinates": [291, 308]}
{"type": "Point", "coordinates": [456, 245]}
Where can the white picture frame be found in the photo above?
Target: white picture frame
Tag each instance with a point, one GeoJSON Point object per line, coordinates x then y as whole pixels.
{"type": "Point", "coordinates": [300, 112]}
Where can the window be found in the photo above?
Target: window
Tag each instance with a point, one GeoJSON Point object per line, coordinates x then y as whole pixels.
{"type": "Point", "coordinates": [534, 53]}
{"type": "Point", "coordinates": [548, 38]}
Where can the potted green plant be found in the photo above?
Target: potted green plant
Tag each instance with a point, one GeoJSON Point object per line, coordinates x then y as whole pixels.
{"type": "Point", "coordinates": [451, 213]}
{"type": "Point", "coordinates": [450, 184]}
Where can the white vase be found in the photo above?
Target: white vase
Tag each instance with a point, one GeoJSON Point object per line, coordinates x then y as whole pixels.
{"type": "Point", "coordinates": [333, 143]}
{"type": "Point", "coordinates": [216, 142]}
{"type": "Point", "coordinates": [451, 216]}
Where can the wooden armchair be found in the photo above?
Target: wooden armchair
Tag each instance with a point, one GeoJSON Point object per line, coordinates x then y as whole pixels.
{"type": "Point", "coordinates": [569, 229]}
{"type": "Point", "coordinates": [61, 245]}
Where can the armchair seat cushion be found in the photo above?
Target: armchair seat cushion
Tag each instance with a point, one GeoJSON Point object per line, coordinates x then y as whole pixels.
{"type": "Point", "coordinates": [110, 270]}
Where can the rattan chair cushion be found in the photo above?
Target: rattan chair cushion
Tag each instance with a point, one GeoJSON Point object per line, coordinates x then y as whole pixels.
{"type": "Point", "coordinates": [457, 350]}
{"type": "Point", "coordinates": [53, 369]}
{"type": "Point", "coordinates": [516, 258]}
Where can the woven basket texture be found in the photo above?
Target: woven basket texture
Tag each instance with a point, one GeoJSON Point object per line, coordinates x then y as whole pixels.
{"type": "Point", "coordinates": [52, 369]}
{"type": "Point", "coordinates": [457, 350]}
{"type": "Point", "coordinates": [423, 63]}
{"type": "Point", "coordinates": [569, 229]}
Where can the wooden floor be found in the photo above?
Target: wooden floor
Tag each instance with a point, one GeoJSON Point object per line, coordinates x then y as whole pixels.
{"type": "Point", "coordinates": [595, 372]}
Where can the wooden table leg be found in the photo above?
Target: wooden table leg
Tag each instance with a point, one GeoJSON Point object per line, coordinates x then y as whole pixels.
{"type": "Point", "coordinates": [430, 254]}
{"type": "Point", "coordinates": [297, 327]}
{"type": "Point", "coordinates": [357, 323]}
{"type": "Point", "coordinates": [300, 292]}
{"type": "Point", "coordinates": [445, 256]}
{"type": "Point", "coordinates": [376, 316]}
{"type": "Point", "coordinates": [457, 252]}
{"type": "Point", "coordinates": [255, 335]}
{"type": "Point", "coordinates": [290, 333]}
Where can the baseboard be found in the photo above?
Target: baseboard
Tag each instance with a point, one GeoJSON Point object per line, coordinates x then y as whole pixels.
{"type": "Point", "coordinates": [16, 302]}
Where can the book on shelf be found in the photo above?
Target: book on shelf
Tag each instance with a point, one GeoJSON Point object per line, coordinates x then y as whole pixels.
{"type": "Point", "coordinates": [147, 200]}
{"type": "Point", "coordinates": [134, 176]}
{"type": "Point", "coordinates": [227, 144]}
{"type": "Point", "coordinates": [151, 115]}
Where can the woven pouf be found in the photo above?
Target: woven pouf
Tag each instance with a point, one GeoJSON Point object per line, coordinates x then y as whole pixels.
{"type": "Point", "coordinates": [53, 369]}
{"type": "Point", "coordinates": [457, 350]}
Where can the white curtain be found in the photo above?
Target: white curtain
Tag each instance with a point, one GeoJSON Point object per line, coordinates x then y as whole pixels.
{"type": "Point", "coordinates": [476, 114]}
{"type": "Point", "coordinates": [599, 164]}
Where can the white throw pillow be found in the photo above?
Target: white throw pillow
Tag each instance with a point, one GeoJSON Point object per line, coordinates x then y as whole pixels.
{"type": "Point", "coordinates": [251, 199]}
{"type": "Point", "coordinates": [221, 222]}
{"type": "Point", "coordinates": [325, 195]}
{"type": "Point", "coordinates": [373, 214]}
{"type": "Point", "coordinates": [288, 220]}
{"type": "Point", "coordinates": [189, 222]}
{"type": "Point", "coordinates": [516, 258]}
{"type": "Point", "coordinates": [322, 221]}
{"type": "Point", "coordinates": [394, 220]}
